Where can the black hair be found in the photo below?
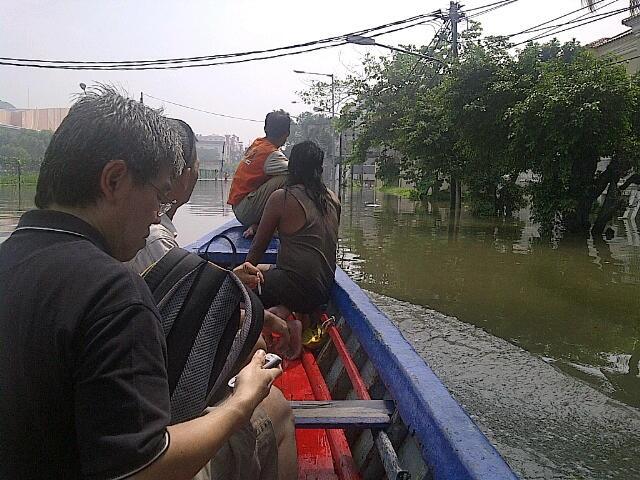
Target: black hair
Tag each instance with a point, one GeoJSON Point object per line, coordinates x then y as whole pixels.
{"type": "Point", "coordinates": [305, 167]}
{"type": "Point", "coordinates": [277, 124]}
{"type": "Point", "coordinates": [101, 126]}
{"type": "Point", "coordinates": [188, 139]}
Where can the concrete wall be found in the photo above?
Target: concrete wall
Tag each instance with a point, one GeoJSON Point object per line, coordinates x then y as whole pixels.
{"type": "Point", "coordinates": [35, 118]}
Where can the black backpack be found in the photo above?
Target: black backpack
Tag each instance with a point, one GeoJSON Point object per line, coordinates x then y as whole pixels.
{"type": "Point", "coordinates": [199, 303]}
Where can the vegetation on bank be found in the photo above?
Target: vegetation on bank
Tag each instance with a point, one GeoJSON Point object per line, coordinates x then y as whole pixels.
{"type": "Point", "coordinates": [399, 191]}
{"type": "Point", "coordinates": [29, 178]}
{"type": "Point", "coordinates": [21, 153]}
{"type": "Point", "coordinates": [547, 114]}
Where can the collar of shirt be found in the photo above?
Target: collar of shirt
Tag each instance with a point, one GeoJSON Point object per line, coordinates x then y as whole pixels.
{"type": "Point", "coordinates": [62, 222]}
{"type": "Point", "coordinates": [166, 222]}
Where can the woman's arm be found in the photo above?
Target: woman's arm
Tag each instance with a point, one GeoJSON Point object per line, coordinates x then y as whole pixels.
{"type": "Point", "coordinates": [270, 220]}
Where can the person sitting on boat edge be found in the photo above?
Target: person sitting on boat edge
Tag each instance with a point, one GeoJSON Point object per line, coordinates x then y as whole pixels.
{"type": "Point", "coordinates": [307, 216]}
{"type": "Point", "coordinates": [83, 362]}
{"type": "Point", "coordinates": [271, 428]}
{"type": "Point", "coordinates": [262, 171]}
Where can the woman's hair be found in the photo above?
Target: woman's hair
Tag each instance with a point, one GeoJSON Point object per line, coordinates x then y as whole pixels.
{"type": "Point", "coordinates": [305, 167]}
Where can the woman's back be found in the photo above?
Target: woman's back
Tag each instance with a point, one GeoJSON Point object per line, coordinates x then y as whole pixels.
{"type": "Point", "coordinates": [310, 252]}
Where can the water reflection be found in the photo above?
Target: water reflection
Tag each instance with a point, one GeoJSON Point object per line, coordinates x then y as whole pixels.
{"type": "Point", "coordinates": [575, 301]}
{"type": "Point", "coordinates": [206, 210]}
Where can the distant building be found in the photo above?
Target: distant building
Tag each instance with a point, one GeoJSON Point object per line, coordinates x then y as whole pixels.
{"type": "Point", "coordinates": [218, 154]}
{"type": "Point", "coordinates": [234, 151]}
{"type": "Point", "coordinates": [33, 118]}
{"type": "Point", "coordinates": [625, 45]}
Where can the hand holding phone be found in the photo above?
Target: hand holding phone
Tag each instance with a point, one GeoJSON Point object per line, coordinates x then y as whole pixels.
{"type": "Point", "coordinates": [271, 360]}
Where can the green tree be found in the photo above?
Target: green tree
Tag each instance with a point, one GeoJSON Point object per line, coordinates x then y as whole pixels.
{"type": "Point", "coordinates": [552, 110]}
{"type": "Point", "coordinates": [314, 127]}
{"type": "Point", "coordinates": [579, 110]}
{"type": "Point", "coordinates": [28, 145]}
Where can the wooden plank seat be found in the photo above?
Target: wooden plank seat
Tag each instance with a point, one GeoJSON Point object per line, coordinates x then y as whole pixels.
{"type": "Point", "coordinates": [342, 413]}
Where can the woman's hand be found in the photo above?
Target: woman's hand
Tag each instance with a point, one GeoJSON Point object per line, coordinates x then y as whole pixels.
{"type": "Point", "coordinates": [249, 275]}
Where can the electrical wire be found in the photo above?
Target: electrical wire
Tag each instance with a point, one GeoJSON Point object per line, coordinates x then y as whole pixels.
{"type": "Point", "coordinates": [202, 111]}
{"type": "Point", "coordinates": [488, 5]}
{"type": "Point", "coordinates": [171, 67]}
{"type": "Point", "coordinates": [579, 19]}
{"type": "Point", "coordinates": [528, 30]}
{"type": "Point", "coordinates": [477, 14]}
{"type": "Point", "coordinates": [144, 64]}
{"type": "Point", "coordinates": [575, 24]}
{"type": "Point", "coordinates": [553, 30]}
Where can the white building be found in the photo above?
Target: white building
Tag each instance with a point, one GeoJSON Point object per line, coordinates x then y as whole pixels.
{"type": "Point", "coordinates": [625, 45]}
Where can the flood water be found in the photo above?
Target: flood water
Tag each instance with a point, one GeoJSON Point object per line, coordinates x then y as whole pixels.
{"type": "Point", "coordinates": [538, 340]}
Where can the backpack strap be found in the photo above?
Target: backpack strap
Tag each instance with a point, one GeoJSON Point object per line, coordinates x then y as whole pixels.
{"type": "Point", "coordinates": [167, 272]}
{"type": "Point", "coordinates": [246, 337]}
{"type": "Point", "coordinates": [187, 324]}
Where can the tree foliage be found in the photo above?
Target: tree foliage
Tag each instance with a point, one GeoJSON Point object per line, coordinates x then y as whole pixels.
{"type": "Point", "coordinates": [551, 111]}
{"type": "Point", "coordinates": [314, 127]}
{"type": "Point", "coordinates": [24, 146]}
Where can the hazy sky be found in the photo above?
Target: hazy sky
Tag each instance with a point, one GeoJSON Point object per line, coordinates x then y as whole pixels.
{"type": "Point", "coordinates": [146, 29]}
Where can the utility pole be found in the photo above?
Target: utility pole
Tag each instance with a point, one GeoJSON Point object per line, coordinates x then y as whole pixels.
{"type": "Point", "coordinates": [455, 187]}
{"type": "Point", "coordinates": [333, 119]}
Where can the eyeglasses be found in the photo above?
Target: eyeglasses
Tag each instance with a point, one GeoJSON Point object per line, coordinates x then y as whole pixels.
{"type": "Point", "coordinates": [164, 205]}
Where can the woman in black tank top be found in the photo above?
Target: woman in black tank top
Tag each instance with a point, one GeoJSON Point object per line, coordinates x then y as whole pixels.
{"type": "Point", "coordinates": [306, 214]}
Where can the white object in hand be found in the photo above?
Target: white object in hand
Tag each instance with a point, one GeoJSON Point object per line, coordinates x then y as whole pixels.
{"type": "Point", "coordinates": [271, 360]}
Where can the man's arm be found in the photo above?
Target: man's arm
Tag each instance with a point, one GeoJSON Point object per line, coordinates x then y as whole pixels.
{"type": "Point", "coordinates": [276, 164]}
{"type": "Point", "coordinates": [268, 223]}
{"type": "Point", "coordinates": [194, 443]}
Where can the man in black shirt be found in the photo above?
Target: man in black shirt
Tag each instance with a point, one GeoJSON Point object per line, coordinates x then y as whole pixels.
{"type": "Point", "coordinates": [83, 382]}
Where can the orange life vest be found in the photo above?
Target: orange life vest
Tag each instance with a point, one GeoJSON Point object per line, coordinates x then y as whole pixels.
{"type": "Point", "coordinates": [250, 172]}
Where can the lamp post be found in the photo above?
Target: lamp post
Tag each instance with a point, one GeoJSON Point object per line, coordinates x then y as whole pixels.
{"type": "Point", "coordinates": [362, 40]}
{"type": "Point", "coordinates": [333, 116]}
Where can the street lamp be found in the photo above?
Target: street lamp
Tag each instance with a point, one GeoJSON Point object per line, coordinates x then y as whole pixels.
{"type": "Point", "coordinates": [362, 40]}
{"type": "Point", "coordinates": [333, 116]}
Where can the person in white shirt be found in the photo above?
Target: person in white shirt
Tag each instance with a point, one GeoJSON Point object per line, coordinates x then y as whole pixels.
{"type": "Point", "coordinates": [272, 429]}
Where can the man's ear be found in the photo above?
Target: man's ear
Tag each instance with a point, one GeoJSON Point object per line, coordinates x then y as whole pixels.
{"type": "Point", "coordinates": [114, 178]}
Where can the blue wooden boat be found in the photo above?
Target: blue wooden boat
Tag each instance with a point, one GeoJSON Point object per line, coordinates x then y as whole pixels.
{"type": "Point", "coordinates": [427, 433]}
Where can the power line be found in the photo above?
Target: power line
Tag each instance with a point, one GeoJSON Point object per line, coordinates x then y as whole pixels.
{"type": "Point", "coordinates": [577, 20]}
{"type": "Point", "coordinates": [192, 61]}
{"type": "Point", "coordinates": [169, 67]}
{"type": "Point", "coordinates": [575, 24]}
{"type": "Point", "coordinates": [553, 30]}
{"type": "Point", "coordinates": [554, 19]}
{"type": "Point", "coordinates": [202, 111]}
{"type": "Point", "coordinates": [503, 4]}
{"type": "Point", "coordinates": [489, 5]}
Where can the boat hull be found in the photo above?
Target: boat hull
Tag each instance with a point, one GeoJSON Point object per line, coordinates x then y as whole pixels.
{"type": "Point", "coordinates": [431, 433]}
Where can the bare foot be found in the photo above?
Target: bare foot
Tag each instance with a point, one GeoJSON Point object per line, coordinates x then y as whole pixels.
{"type": "Point", "coordinates": [295, 338]}
{"type": "Point", "coordinates": [251, 231]}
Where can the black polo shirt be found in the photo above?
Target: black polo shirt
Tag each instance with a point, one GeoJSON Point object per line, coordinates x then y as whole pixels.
{"type": "Point", "coordinates": [83, 382]}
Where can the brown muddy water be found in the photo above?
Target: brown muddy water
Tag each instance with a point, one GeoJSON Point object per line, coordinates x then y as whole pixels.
{"type": "Point", "coordinates": [539, 341]}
